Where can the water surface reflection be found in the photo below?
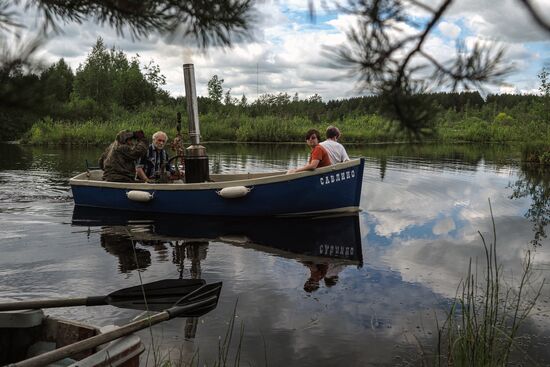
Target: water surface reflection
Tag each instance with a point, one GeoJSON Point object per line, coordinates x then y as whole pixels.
{"type": "Point", "coordinates": [362, 298]}
{"type": "Point", "coordinates": [320, 243]}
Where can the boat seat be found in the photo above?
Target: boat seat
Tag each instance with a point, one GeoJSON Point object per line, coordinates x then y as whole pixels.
{"type": "Point", "coordinates": [18, 330]}
{"type": "Point", "coordinates": [21, 318]}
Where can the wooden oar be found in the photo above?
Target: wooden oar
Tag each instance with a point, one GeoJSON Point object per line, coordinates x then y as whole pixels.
{"type": "Point", "coordinates": [193, 304]}
{"type": "Point", "coordinates": [160, 295]}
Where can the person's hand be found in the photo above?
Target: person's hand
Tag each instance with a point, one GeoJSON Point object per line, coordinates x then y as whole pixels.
{"type": "Point", "coordinates": [139, 135]}
{"type": "Point", "coordinates": [290, 171]}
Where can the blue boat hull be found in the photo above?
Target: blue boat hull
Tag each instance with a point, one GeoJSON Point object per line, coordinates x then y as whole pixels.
{"type": "Point", "coordinates": [329, 189]}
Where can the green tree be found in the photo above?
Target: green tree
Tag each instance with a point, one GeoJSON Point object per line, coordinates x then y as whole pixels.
{"type": "Point", "coordinates": [153, 75]}
{"type": "Point", "coordinates": [94, 79]}
{"type": "Point", "coordinates": [544, 82]}
{"type": "Point", "coordinates": [132, 88]}
{"type": "Point", "coordinates": [544, 89]}
{"type": "Point", "coordinates": [107, 77]}
{"type": "Point", "coordinates": [17, 90]}
{"type": "Point", "coordinates": [243, 103]}
{"type": "Point", "coordinates": [227, 100]}
{"type": "Point", "coordinates": [57, 81]}
{"type": "Point", "coordinates": [215, 89]}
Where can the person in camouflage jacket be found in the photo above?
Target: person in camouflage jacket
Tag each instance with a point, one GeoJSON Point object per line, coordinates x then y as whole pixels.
{"type": "Point", "coordinates": [118, 161]}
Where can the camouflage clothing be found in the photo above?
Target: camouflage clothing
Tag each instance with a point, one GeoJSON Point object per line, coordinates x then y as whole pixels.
{"type": "Point", "coordinates": [118, 161]}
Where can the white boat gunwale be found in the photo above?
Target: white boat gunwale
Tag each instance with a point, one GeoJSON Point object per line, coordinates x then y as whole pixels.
{"type": "Point", "coordinates": [248, 179]}
{"type": "Point", "coordinates": [44, 331]}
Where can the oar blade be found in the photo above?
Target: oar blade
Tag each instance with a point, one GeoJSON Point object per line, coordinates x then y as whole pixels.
{"type": "Point", "coordinates": [156, 296]}
{"type": "Point", "coordinates": [165, 287]}
{"type": "Point", "coordinates": [199, 302]}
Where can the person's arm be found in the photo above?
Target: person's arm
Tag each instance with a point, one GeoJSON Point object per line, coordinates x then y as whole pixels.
{"type": "Point", "coordinates": [308, 167]}
{"type": "Point", "coordinates": [316, 156]}
{"type": "Point", "coordinates": [141, 173]}
{"type": "Point", "coordinates": [101, 160]}
{"type": "Point", "coordinates": [170, 167]}
{"type": "Point", "coordinates": [345, 156]}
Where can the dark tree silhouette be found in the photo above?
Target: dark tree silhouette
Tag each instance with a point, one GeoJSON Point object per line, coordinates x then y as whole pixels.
{"type": "Point", "coordinates": [209, 21]}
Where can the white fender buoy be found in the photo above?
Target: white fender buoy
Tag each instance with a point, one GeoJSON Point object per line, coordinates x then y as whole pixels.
{"type": "Point", "coordinates": [141, 196]}
{"type": "Point", "coordinates": [233, 192]}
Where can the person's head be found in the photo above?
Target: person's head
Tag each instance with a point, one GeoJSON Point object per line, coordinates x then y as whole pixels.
{"type": "Point", "coordinates": [124, 136]}
{"type": "Point", "coordinates": [313, 138]}
{"type": "Point", "coordinates": [160, 139]}
{"type": "Point", "coordinates": [331, 280]}
{"type": "Point", "coordinates": [311, 285]}
{"type": "Point", "coordinates": [333, 132]}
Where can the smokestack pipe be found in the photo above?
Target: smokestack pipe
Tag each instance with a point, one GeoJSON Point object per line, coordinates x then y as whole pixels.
{"type": "Point", "coordinates": [192, 105]}
{"type": "Point", "coordinates": [196, 160]}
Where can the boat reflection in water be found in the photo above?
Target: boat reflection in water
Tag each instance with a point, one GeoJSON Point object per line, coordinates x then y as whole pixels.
{"type": "Point", "coordinates": [321, 243]}
{"type": "Point", "coordinates": [324, 245]}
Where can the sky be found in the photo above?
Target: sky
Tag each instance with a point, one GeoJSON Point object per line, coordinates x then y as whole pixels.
{"type": "Point", "coordinates": [286, 52]}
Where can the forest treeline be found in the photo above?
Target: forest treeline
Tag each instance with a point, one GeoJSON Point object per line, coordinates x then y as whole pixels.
{"type": "Point", "coordinates": [110, 91]}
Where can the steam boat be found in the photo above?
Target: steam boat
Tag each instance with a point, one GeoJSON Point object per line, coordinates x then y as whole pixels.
{"type": "Point", "coordinates": [332, 189]}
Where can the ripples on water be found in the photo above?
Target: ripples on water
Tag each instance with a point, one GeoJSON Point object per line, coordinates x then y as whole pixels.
{"type": "Point", "coordinates": [330, 305]}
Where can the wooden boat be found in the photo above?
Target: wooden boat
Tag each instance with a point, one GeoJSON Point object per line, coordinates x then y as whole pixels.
{"type": "Point", "coordinates": [28, 333]}
{"type": "Point", "coordinates": [332, 189]}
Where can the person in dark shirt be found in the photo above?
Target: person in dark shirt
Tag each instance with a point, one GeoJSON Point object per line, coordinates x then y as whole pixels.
{"type": "Point", "coordinates": [153, 165]}
{"type": "Point", "coordinates": [118, 161]}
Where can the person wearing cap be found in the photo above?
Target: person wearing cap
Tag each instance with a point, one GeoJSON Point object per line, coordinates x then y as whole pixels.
{"type": "Point", "coordinates": [154, 164]}
{"type": "Point", "coordinates": [118, 161]}
{"type": "Point", "coordinates": [319, 156]}
{"type": "Point", "coordinates": [335, 150]}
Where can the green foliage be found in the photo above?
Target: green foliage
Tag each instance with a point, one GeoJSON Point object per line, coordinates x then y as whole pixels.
{"type": "Point", "coordinates": [111, 89]}
{"type": "Point", "coordinates": [544, 87]}
{"type": "Point", "coordinates": [482, 325]}
{"type": "Point", "coordinates": [535, 153]}
{"type": "Point", "coordinates": [107, 77]}
{"type": "Point", "coordinates": [57, 82]}
{"type": "Point", "coordinates": [504, 119]}
{"type": "Point", "coordinates": [476, 130]}
{"type": "Point", "coordinates": [21, 101]}
{"type": "Point", "coordinates": [215, 89]}
{"type": "Point", "coordinates": [545, 158]}
{"type": "Point", "coordinates": [271, 128]}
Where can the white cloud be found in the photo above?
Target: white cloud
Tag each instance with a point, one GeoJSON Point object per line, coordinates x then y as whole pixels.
{"type": "Point", "coordinates": [507, 20]}
{"type": "Point", "coordinates": [449, 29]}
{"type": "Point", "coordinates": [507, 89]}
{"type": "Point", "coordinates": [443, 226]}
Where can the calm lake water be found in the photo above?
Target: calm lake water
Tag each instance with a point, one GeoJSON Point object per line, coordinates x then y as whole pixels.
{"type": "Point", "coordinates": [363, 291]}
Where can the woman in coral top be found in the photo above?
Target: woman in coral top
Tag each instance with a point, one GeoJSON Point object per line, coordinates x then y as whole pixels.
{"type": "Point", "coordinates": [319, 156]}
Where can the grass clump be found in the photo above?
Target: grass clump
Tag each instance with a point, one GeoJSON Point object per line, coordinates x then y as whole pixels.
{"type": "Point", "coordinates": [229, 351]}
{"type": "Point", "coordinates": [482, 327]}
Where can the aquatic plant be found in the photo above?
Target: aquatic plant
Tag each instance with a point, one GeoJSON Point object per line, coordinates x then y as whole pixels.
{"type": "Point", "coordinates": [482, 326]}
{"type": "Point", "coordinates": [166, 358]}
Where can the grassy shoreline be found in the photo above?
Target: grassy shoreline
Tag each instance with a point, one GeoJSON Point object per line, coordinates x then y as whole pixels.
{"type": "Point", "coordinates": [219, 127]}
